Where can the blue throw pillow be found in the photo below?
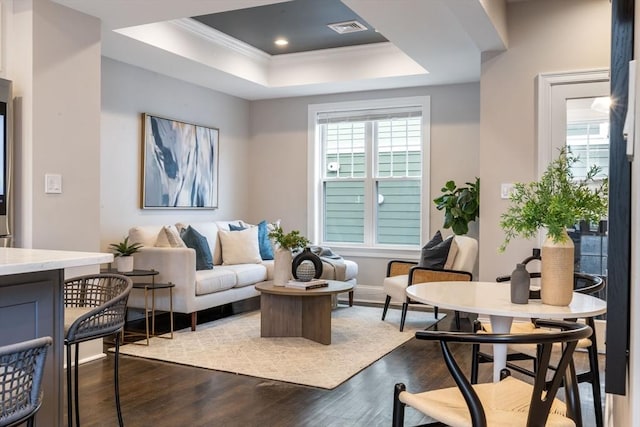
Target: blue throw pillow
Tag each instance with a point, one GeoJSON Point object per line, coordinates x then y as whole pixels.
{"type": "Point", "coordinates": [264, 243]}
{"type": "Point", "coordinates": [197, 242]}
{"type": "Point", "coordinates": [233, 227]}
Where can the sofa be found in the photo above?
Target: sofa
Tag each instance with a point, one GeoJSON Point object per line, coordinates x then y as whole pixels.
{"type": "Point", "coordinates": [232, 274]}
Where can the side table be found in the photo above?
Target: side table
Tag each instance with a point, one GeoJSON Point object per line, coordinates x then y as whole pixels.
{"type": "Point", "coordinates": [146, 286]}
{"type": "Point", "coordinates": [153, 287]}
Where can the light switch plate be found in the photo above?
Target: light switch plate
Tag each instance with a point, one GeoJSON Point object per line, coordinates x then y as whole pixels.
{"type": "Point", "coordinates": [505, 190]}
{"type": "Point", "coordinates": [52, 183]}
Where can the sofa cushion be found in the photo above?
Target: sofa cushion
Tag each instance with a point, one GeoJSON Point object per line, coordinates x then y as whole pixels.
{"type": "Point", "coordinates": [146, 235]}
{"type": "Point", "coordinates": [217, 280]}
{"type": "Point", "coordinates": [198, 242]}
{"type": "Point", "coordinates": [240, 247]}
{"type": "Point", "coordinates": [169, 237]}
{"type": "Point", "coordinates": [247, 274]}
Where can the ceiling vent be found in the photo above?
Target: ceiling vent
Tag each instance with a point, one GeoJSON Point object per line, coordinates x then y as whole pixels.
{"type": "Point", "coordinates": [347, 27]}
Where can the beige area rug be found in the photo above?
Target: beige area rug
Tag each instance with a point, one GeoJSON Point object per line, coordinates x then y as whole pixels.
{"type": "Point", "coordinates": [233, 344]}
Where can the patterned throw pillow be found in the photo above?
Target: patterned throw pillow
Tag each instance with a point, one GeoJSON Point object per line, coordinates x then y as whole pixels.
{"type": "Point", "coordinates": [168, 237]}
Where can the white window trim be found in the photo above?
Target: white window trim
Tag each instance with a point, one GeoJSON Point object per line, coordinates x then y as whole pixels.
{"type": "Point", "coordinates": [314, 220]}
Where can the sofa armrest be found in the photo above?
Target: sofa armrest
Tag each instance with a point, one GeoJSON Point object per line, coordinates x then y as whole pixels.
{"type": "Point", "coordinates": [397, 267]}
{"type": "Point", "coordinates": [175, 265]}
{"type": "Point", "coordinates": [424, 274]}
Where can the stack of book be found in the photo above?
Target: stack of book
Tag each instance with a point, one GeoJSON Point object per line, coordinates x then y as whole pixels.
{"type": "Point", "coordinates": [311, 284]}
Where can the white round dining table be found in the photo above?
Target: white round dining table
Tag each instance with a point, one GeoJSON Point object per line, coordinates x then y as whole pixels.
{"type": "Point", "coordinates": [494, 299]}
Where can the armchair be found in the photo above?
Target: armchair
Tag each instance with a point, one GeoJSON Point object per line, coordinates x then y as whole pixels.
{"type": "Point", "coordinates": [401, 274]}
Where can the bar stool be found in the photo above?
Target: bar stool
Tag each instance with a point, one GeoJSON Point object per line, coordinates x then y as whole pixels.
{"type": "Point", "coordinates": [95, 307]}
{"type": "Point", "coordinates": [21, 371]}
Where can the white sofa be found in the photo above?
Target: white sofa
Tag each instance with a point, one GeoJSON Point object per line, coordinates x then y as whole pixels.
{"type": "Point", "coordinates": [197, 290]}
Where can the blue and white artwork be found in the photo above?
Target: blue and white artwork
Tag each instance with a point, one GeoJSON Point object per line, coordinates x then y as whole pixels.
{"type": "Point", "coordinates": [180, 164]}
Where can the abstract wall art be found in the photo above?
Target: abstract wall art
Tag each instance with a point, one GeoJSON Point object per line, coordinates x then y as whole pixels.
{"type": "Point", "coordinates": [180, 164]}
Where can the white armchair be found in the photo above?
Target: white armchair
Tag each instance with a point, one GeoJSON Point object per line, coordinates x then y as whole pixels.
{"type": "Point", "coordinates": [401, 274]}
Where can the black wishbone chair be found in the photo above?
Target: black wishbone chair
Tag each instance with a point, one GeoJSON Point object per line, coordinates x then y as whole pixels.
{"type": "Point", "coordinates": [588, 284]}
{"type": "Point", "coordinates": [509, 402]}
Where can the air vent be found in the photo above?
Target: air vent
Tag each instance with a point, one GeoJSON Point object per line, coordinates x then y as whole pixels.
{"type": "Point", "coordinates": [347, 27]}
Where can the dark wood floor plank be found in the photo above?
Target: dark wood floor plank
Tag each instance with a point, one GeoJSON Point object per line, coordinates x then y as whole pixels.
{"type": "Point", "coordinates": [159, 394]}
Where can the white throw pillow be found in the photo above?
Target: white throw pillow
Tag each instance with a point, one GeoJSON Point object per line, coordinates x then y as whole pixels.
{"type": "Point", "coordinates": [240, 247]}
{"type": "Point", "coordinates": [168, 237]}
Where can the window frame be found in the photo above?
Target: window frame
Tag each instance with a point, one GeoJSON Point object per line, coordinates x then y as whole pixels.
{"type": "Point", "coordinates": [315, 180]}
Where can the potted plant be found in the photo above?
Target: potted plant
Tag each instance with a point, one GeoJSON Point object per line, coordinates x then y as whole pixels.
{"type": "Point", "coordinates": [283, 257]}
{"type": "Point", "coordinates": [123, 251]}
{"type": "Point", "coordinates": [556, 202]}
{"type": "Point", "coordinates": [461, 205]}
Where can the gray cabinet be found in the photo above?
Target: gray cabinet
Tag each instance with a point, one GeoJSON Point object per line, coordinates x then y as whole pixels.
{"type": "Point", "coordinates": [31, 306]}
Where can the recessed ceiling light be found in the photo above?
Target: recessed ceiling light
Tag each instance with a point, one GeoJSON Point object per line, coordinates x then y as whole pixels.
{"type": "Point", "coordinates": [281, 42]}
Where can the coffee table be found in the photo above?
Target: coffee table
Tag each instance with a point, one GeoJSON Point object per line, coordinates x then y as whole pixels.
{"type": "Point", "coordinates": [290, 312]}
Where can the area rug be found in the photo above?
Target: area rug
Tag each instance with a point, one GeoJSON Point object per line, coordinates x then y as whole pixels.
{"type": "Point", "coordinates": [233, 344]}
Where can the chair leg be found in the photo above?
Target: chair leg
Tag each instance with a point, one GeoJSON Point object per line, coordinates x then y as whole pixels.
{"type": "Point", "coordinates": [116, 382]}
{"type": "Point", "coordinates": [475, 349]}
{"type": "Point", "coordinates": [387, 301]}
{"type": "Point", "coordinates": [435, 312]}
{"type": "Point", "coordinates": [398, 407]}
{"type": "Point", "coordinates": [76, 393]}
{"type": "Point", "coordinates": [457, 315]}
{"type": "Point", "coordinates": [69, 388]}
{"type": "Point", "coordinates": [350, 298]}
{"type": "Point", "coordinates": [403, 317]}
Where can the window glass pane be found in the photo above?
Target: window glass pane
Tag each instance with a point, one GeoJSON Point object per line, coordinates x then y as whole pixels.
{"type": "Point", "coordinates": [398, 215]}
{"type": "Point", "coordinates": [344, 211]}
{"type": "Point", "coordinates": [344, 149]}
{"type": "Point", "coordinates": [399, 144]}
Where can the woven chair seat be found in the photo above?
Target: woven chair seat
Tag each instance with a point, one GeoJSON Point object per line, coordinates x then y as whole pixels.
{"type": "Point", "coordinates": [528, 327]}
{"type": "Point", "coordinates": [506, 404]}
{"type": "Point", "coordinates": [71, 314]}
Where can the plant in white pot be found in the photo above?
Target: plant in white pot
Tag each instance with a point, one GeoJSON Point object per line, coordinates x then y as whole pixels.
{"type": "Point", "coordinates": [123, 252]}
{"type": "Point", "coordinates": [556, 202]}
{"type": "Point", "coordinates": [283, 257]}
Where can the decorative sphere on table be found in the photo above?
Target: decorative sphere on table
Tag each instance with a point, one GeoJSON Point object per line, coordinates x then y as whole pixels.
{"type": "Point", "coordinates": [305, 271]}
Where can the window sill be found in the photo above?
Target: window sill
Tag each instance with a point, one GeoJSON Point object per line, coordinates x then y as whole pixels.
{"type": "Point", "coordinates": [378, 252]}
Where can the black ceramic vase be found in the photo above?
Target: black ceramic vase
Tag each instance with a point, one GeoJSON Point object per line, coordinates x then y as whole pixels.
{"type": "Point", "coordinates": [306, 255]}
{"type": "Point", "coordinates": [520, 281]}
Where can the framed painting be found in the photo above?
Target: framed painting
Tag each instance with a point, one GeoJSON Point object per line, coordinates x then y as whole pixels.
{"type": "Point", "coordinates": [179, 164]}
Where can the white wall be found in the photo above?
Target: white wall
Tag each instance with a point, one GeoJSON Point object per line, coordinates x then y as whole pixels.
{"type": "Point", "coordinates": [279, 157]}
{"type": "Point", "coordinates": [53, 56]}
{"type": "Point", "coordinates": [544, 36]}
{"type": "Point", "coordinates": [127, 92]}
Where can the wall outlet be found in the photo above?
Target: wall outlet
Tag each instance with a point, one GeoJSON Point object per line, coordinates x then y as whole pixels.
{"type": "Point", "coordinates": [52, 183]}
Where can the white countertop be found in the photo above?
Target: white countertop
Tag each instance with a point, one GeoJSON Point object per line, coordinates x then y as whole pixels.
{"type": "Point", "coordinates": [17, 260]}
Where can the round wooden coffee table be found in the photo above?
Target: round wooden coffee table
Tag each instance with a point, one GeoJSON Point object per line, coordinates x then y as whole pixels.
{"type": "Point", "coordinates": [290, 312]}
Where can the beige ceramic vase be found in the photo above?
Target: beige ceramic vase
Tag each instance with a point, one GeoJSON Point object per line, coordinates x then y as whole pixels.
{"type": "Point", "coordinates": [556, 287]}
{"type": "Point", "coordinates": [282, 266]}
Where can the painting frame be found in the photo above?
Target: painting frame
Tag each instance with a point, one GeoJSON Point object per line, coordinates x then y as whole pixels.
{"type": "Point", "coordinates": [180, 164]}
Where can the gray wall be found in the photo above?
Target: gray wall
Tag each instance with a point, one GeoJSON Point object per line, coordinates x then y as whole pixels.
{"type": "Point", "coordinates": [544, 36]}
{"type": "Point", "coordinates": [127, 92]}
{"type": "Point", "coordinates": [278, 184]}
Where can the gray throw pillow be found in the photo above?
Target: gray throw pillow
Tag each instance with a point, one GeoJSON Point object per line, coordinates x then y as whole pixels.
{"type": "Point", "coordinates": [434, 253]}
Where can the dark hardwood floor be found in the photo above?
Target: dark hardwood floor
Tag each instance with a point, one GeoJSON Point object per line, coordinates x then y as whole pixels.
{"type": "Point", "coordinates": [163, 394]}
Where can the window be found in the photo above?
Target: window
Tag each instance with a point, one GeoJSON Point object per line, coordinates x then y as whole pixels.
{"type": "Point", "coordinates": [368, 164]}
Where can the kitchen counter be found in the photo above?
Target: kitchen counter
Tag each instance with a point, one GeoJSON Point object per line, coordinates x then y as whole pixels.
{"type": "Point", "coordinates": [32, 305]}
